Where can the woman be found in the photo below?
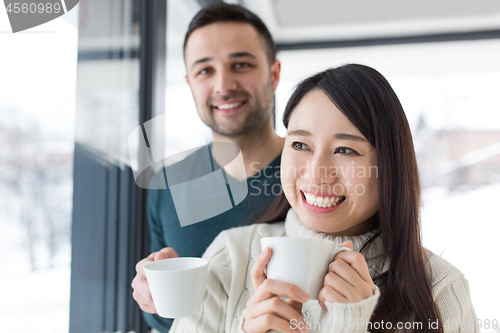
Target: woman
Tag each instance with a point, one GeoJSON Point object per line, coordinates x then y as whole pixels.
{"type": "Point", "coordinates": [349, 173]}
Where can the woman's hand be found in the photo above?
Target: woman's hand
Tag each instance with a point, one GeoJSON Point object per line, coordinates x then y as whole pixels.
{"type": "Point", "coordinates": [348, 279]}
{"type": "Point", "coordinates": [265, 310]}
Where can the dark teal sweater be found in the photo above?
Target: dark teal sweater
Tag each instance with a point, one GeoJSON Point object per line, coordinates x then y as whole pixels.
{"type": "Point", "coordinates": [192, 240]}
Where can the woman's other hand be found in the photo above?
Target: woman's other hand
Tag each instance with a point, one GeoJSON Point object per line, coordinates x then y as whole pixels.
{"type": "Point", "coordinates": [348, 279]}
{"type": "Point", "coordinates": [265, 310]}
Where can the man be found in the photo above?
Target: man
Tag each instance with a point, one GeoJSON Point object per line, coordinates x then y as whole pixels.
{"type": "Point", "coordinates": [232, 71]}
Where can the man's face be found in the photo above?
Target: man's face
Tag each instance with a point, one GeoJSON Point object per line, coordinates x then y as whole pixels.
{"type": "Point", "coordinates": [230, 77]}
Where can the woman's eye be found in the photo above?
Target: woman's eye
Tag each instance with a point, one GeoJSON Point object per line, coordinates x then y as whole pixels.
{"type": "Point", "coordinates": [345, 151]}
{"type": "Point", "coordinates": [299, 146]}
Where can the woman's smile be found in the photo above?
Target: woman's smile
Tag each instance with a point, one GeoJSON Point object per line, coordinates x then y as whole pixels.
{"type": "Point", "coordinates": [321, 202]}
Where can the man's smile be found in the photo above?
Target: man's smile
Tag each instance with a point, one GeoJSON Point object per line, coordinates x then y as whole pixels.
{"type": "Point", "coordinates": [229, 107]}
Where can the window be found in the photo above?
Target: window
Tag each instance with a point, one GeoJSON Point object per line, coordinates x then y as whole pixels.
{"type": "Point", "coordinates": [37, 110]}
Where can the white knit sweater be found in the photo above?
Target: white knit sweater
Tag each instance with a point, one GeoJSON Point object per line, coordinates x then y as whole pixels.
{"type": "Point", "coordinates": [229, 285]}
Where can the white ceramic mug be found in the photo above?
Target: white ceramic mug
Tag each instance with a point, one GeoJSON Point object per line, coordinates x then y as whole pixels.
{"type": "Point", "coordinates": [303, 262]}
{"type": "Point", "coordinates": [177, 285]}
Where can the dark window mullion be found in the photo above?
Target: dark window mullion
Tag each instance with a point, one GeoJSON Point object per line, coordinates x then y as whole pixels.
{"type": "Point", "coordinates": [112, 255]}
{"type": "Point", "coordinates": [151, 102]}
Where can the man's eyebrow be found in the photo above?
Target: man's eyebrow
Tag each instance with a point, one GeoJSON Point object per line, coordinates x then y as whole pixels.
{"type": "Point", "coordinates": [339, 136]}
{"type": "Point", "coordinates": [231, 56]}
{"type": "Point", "coordinates": [241, 54]}
{"type": "Point", "coordinates": [200, 61]}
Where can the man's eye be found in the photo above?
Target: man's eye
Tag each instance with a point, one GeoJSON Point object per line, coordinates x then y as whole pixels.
{"type": "Point", "coordinates": [345, 151]}
{"type": "Point", "coordinates": [204, 71]}
{"type": "Point", "coordinates": [240, 65]}
{"type": "Point", "coordinates": [299, 146]}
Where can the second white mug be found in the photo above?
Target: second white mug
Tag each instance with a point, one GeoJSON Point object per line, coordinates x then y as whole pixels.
{"type": "Point", "coordinates": [177, 285]}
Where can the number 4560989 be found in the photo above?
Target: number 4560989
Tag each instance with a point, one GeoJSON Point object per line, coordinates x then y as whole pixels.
{"type": "Point", "coordinates": [32, 8]}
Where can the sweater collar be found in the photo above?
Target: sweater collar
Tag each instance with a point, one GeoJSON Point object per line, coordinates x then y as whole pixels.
{"type": "Point", "coordinates": [295, 228]}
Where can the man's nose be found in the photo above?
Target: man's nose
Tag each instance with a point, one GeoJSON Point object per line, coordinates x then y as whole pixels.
{"type": "Point", "coordinates": [225, 83]}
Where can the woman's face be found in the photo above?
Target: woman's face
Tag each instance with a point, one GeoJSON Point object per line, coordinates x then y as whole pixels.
{"type": "Point", "coordinates": [328, 169]}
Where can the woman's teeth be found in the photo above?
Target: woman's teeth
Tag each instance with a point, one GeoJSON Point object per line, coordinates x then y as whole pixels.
{"type": "Point", "coordinates": [323, 202]}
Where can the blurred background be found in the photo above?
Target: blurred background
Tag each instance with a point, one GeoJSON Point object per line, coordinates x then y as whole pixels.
{"type": "Point", "coordinates": [72, 90]}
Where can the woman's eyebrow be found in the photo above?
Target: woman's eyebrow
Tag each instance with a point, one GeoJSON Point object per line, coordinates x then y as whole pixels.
{"type": "Point", "coordinates": [339, 136]}
{"type": "Point", "coordinates": [299, 132]}
{"type": "Point", "coordinates": [345, 136]}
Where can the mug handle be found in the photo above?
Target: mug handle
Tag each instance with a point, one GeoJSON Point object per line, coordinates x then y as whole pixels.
{"type": "Point", "coordinates": [337, 251]}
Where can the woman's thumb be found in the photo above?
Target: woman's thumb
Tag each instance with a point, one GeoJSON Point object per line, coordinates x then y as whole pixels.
{"type": "Point", "coordinates": [347, 244]}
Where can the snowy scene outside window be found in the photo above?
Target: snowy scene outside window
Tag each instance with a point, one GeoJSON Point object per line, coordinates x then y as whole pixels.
{"type": "Point", "coordinates": [37, 106]}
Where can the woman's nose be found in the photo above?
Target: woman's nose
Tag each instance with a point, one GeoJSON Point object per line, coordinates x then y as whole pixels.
{"type": "Point", "coordinates": [320, 170]}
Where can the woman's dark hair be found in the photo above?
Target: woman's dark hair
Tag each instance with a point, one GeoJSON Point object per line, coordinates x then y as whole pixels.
{"type": "Point", "coordinates": [220, 12]}
{"type": "Point", "coordinates": [365, 97]}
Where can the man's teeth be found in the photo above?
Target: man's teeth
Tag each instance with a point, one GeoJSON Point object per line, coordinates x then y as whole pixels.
{"type": "Point", "coordinates": [229, 106]}
{"type": "Point", "coordinates": [323, 202]}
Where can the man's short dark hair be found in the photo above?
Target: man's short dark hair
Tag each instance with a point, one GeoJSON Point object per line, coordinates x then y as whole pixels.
{"type": "Point", "coordinates": [221, 12]}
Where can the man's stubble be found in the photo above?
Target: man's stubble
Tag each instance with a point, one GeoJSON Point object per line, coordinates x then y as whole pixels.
{"type": "Point", "coordinates": [259, 111]}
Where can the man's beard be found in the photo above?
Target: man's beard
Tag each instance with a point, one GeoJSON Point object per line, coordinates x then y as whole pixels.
{"type": "Point", "coordinates": [259, 110]}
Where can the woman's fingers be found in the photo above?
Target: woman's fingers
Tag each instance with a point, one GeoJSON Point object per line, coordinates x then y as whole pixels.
{"type": "Point", "coordinates": [353, 269]}
{"type": "Point", "coordinates": [348, 279]}
{"type": "Point", "coordinates": [270, 288]}
{"type": "Point", "coordinates": [346, 272]}
{"type": "Point", "coordinates": [331, 295]}
{"type": "Point", "coordinates": [297, 306]}
{"type": "Point", "coordinates": [351, 293]}
{"type": "Point", "coordinates": [257, 272]}
{"type": "Point", "coordinates": [267, 312]}
{"type": "Point", "coordinates": [278, 308]}
{"type": "Point", "coordinates": [268, 322]}
{"type": "Point", "coordinates": [358, 262]}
